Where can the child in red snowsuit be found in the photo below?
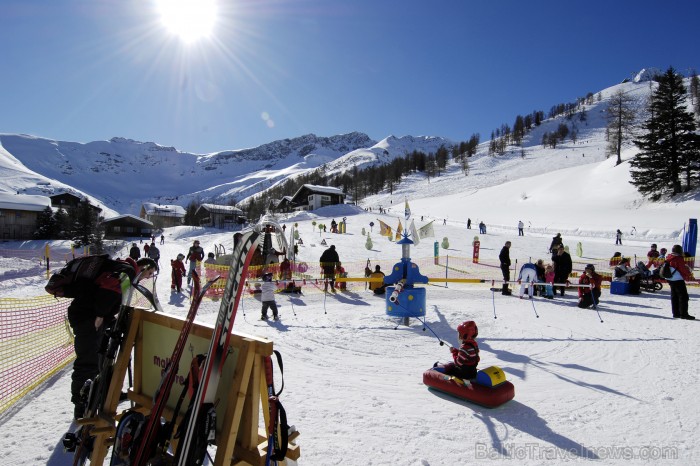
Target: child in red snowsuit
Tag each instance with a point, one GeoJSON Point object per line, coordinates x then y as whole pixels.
{"type": "Point", "coordinates": [466, 357]}
{"type": "Point", "coordinates": [178, 272]}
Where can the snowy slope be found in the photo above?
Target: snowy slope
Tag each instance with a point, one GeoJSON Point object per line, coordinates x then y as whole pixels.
{"type": "Point", "coordinates": [584, 388]}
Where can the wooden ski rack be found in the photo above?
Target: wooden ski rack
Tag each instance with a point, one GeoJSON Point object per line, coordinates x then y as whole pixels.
{"type": "Point", "coordinates": [241, 396]}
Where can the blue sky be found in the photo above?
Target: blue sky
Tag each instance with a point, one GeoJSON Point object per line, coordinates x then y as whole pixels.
{"type": "Point", "coordinates": [84, 70]}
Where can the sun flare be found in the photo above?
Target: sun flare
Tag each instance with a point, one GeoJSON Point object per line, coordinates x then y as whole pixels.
{"type": "Point", "coordinates": [190, 20]}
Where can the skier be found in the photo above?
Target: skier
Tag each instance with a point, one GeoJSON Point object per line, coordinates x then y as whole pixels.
{"type": "Point", "coordinates": [334, 226]}
{"type": "Point", "coordinates": [328, 261]}
{"type": "Point", "coordinates": [466, 357]}
{"type": "Point", "coordinates": [679, 291]}
{"type": "Point", "coordinates": [341, 273]}
{"type": "Point", "coordinates": [469, 224]}
{"type": "Point", "coordinates": [504, 257]}
{"type": "Point", "coordinates": [618, 237]}
{"type": "Point", "coordinates": [177, 273]}
{"type": "Point", "coordinates": [154, 253]}
{"type": "Point", "coordinates": [521, 226]}
{"type": "Point", "coordinates": [162, 239]}
{"type": "Point", "coordinates": [194, 255]}
{"type": "Point", "coordinates": [135, 252]}
{"type": "Point", "coordinates": [549, 279]}
{"type": "Point", "coordinates": [528, 276]}
{"type": "Point", "coordinates": [556, 242]}
{"type": "Point", "coordinates": [589, 296]}
{"type": "Point", "coordinates": [267, 295]}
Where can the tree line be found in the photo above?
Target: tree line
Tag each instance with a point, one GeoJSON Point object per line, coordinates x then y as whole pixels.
{"type": "Point", "coordinates": [81, 224]}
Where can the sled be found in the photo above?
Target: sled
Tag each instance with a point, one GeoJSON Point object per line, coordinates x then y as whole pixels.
{"type": "Point", "coordinates": [489, 389]}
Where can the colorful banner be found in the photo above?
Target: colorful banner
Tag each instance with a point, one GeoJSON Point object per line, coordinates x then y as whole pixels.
{"type": "Point", "coordinates": [399, 229]}
{"type": "Point", "coordinates": [384, 229]}
{"type": "Point", "coordinates": [407, 211]}
{"type": "Point", "coordinates": [414, 233]}
{"type": "Point", "coordinates": [427, 230]}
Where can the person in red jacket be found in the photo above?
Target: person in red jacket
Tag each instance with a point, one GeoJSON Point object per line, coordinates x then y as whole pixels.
{"type": "Point", "coordinates": [652, 257]}
{"type": "Point", "coordinates": [589, 296]}
{"type": "Point", "coordinates": [681, 274]}
{"type": "Point", "coordinates": [177, 273]}
{"type": "Point", "coordinates": [466, 357]}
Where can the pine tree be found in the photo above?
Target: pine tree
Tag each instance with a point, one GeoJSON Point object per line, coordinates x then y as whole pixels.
{"type": "Point", "coordinates": [669, 146]}
{"type": "Point", "coordinates": [45, 225]}
{"type": "Point", "coordinates": [63, 224]}
{"type": "Point", "coordinates": [86, 231]}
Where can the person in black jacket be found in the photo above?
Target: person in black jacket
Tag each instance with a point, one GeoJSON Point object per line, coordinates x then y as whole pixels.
{"type": "Point", "coordinates": [556, 242]}
{"type": "Point", "coordinates": [329, 259]}
{"type": "Point", "coordinates": [562, 267]}
{"type": "Point", "coordinates": [504, 257]}
{"type": "Point", "coordinates": [135, 252]}
{"type": "Point", "coordinates": [89, 314]}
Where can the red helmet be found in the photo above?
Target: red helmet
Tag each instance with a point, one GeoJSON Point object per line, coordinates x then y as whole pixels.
{"type": "Point", "coordinates": [467, 329]}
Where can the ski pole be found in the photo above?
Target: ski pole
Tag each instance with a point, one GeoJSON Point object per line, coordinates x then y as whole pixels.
{"type": "Point", "coordinates": [292, 304]}
{"type": "Point", "coordinates": [425, 325]}
{"type": "Point", "coordinates": [493, 298]}
{"type": "Point", "coordinates": [533, 306]}
{"type": "Point", "coordinates": [595, 306]}
{"type": "Point", "coordinates": [324, 301]}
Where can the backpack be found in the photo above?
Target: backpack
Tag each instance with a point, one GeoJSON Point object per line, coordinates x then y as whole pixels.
{"type": "Point", "coordinates": [666, 271]}
{"type": "Point", "coordinates": [98, 270]}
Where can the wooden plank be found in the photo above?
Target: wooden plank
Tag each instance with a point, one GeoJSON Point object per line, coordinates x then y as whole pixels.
{"type": "Point", "coordinates": [248, 434]}
{"type": "Point", "coordinates": [236, 400]}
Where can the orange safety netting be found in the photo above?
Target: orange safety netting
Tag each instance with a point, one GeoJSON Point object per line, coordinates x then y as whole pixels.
{"type": "Point", "coordinates": [35, 343]}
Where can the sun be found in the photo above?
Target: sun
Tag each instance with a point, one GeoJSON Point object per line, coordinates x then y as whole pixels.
{"type": "Point", "coordinates": [190, 20]}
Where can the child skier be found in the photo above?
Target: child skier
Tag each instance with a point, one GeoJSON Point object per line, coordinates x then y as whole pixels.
{"type": "Point", "coordinates": [549, 279]}
{"type": "Point", "coordinates": [177, 273]}
{"type": "Point", "coordinates": [267, 295]}
{"type": "Point", "coordinates": [466, 357]}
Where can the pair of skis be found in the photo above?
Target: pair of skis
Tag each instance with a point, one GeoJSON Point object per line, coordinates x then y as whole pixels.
{"type": "Point", "coordinates": [155, 434]}
{"type": "Point", "coordinates": [199, 429]}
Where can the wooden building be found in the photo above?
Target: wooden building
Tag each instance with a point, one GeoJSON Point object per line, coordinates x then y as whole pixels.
{"type": "Point", "coordinates": [312, 197]}
{"type": "Point", "coordinates": [19, 214]}
{"type": "Point", "coordinates": [220, 216]}
{"type": "Point", "coordinates": [127, 226]}
{"type": "Point", "coordinates": [163, 216]}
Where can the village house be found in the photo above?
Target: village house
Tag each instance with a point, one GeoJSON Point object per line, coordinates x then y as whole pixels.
{"type": "Point", "coordinates": [19, 214]}
{"type": "Point", "coordinates": [311, 197]}
{"type": "Point", "coordinates": [163, 216]}
{"type": "Point", "coordinates": [220, 216]}
{"type": "Point", "coordinates": [127, 226]}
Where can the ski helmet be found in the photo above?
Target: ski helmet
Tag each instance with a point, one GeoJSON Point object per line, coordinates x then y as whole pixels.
{"type": "Point", "coordinates": [467, 329]}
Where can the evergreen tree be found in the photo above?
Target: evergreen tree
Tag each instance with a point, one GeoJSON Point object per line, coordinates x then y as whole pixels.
{"type": "Point", "coordinates": [669, 146]}
{"type": "Point", "coordinates": [85, 231]}
{"type": "Point", "coordinates": [620, 114]}
{"type": "Point", "coordinates": [45, 225]}
{"type": "Point", "coordinates": [189, 213]}
{"type": "Point", "coordinates": [62, 223]}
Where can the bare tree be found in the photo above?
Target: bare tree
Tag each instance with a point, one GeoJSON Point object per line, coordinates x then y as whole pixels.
{"type": "Point", "coordinates": [620, 114]}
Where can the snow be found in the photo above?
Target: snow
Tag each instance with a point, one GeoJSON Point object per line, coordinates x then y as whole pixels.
{"type": "Point", "coordinates": [622, 391]}
{"type": "Point", "coordinates": [353, 387]}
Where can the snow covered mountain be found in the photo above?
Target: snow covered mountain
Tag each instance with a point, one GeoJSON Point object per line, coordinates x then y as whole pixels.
{"type": "Point", "coordinates": [121, 173]}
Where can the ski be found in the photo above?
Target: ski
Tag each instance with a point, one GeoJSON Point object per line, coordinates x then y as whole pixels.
{"type": "Point", "coordinates": [81, 441]}
{"type": "Point", "coordinates": [150, 435]}
{"type": "Point", "coordinates": [202, 409]}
